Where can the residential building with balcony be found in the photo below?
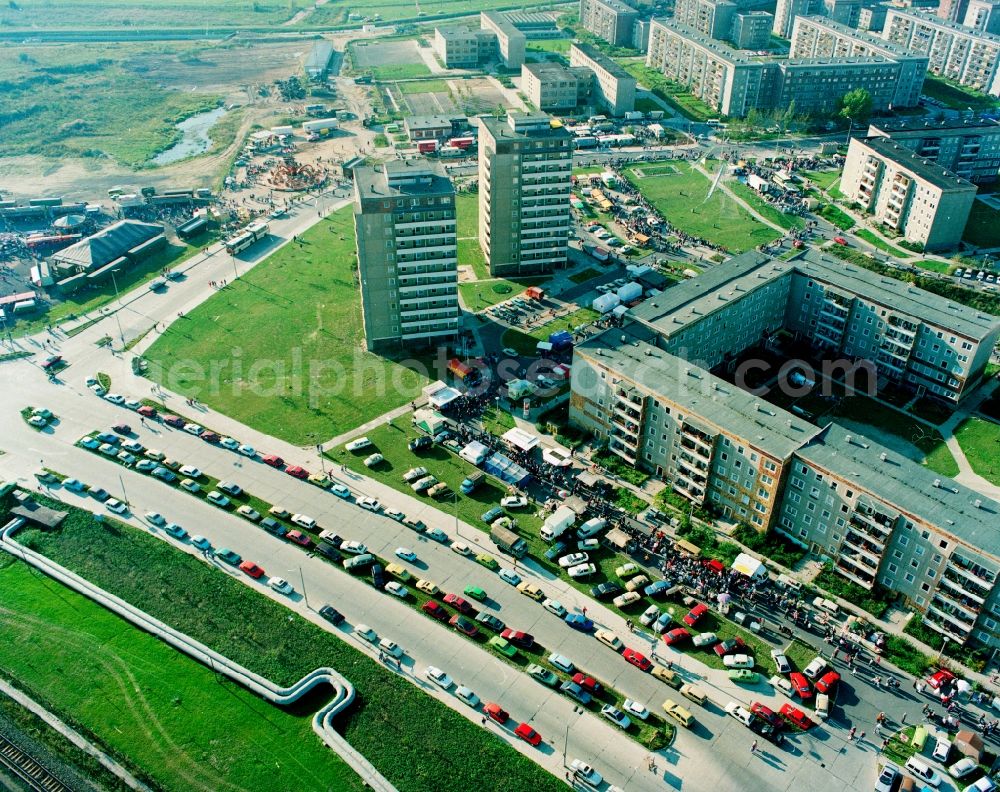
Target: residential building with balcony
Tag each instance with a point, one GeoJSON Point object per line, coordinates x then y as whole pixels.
{"type": "Point", "coordinates": [968, 147]}
{"type": "Point", "coordinates": [525, 166]}
{"type": "Point", "coordinates": [912, 196]}
{"type": "Point", "coordinates": [613, 87]}
{"type": "Point", "coordinates": [610, 20]}
{"type": "Point", "coordinates": [969, 57]}
{"type": "Point", "coordinates": [983, 15]}
{"type": "Point", "coordinates": [404, 217]}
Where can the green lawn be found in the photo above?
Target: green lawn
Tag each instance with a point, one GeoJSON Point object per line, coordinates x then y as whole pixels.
{"type": "Point", "coordinates": [983, 228]}
{"type": "Point", "coordinates": [307, 375]}
{"type": "Point", "coordinates": [400, 71]}
{"type": "Point", "coordinates": [824, 179]}
{"type": "Point", "coordinates": [266, 637]}
{"type": "Point", "coordinates": [934, 266]}
{"type": "Point", "coordinates": [467, 215]}
{"type": "Point", "coordinates": [184, 726]}
{"type": "Point", "coordinates": [527, 343]}
{"type": "Point", "coordinates": [836, 216]}
{"type": "Point", "coordinates": [423, 86]}
{"type": "Point", "coordinates": [560, 45]}
{"type": "Point", "coordinates": [683, 199]}
{"type": "Point", "coordinates": [584, 275]}
{"type": "Point", "coordinates": [881, 244]}
{"type": "Point", "coordinates": [957, 96]}
{"type": "Point", "coordinates": [469, 253]}
{"type": "Point", "coordinates": [980, 440]}
{"type": "Point", "coordinates": [673, 94]}
{"type": "Point", "coordinates": [763, 208]}
{"type": "Point", "coordinates": [483, 294]}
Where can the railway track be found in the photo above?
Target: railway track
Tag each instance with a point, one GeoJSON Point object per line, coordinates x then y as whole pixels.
{"type": "Point", "coordinates": [28, 769]}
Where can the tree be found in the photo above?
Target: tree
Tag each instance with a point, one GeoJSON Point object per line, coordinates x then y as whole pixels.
{"type": "Point", "coordinates": [856, 105]}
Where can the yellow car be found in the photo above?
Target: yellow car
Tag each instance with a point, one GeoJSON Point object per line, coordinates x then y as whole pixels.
{"type": "Point", "coordinates": [531, 590]}
{"type": "Point", "coordinates": [398, 572]}
{"type": "Point", "coordinates": [428, 587]}
{"type": "Point", "coordinates": [678, 713]}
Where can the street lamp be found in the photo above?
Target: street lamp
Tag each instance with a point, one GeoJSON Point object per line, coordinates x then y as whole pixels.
{"type": "Point", "coordinates": [302, 580]}
{"type": "Point", "coordinates": [125, 494]}
{"type": "Point", "coordinates": [944, 645]}
{"type": "Point", "coordinates": [121, 333]}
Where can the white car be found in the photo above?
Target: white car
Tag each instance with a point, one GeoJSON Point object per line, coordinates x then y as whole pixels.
{"type": "Point", "coordinates": [509, 576]}
{"type": "Point", "coordinates": [942, 749]}
{"type": "Point", "coordinates": [781, 662]}
{"type": "Point", "coordinates": [414, 473]}
{"type": "Point", "coordinates": [438, 677]}
{"type": "Point", "coordinates": [366, 632]}
{"type": "Point", "coordinates": [406, 554]}
{"type": "Point", "coordinates": [354, 548]}
{"type": "Point", "coordinates": [397, 589]}
{"type": "Point", "coordinates": [616, 716]}
{"type": "Point", "coordinates": [247, 451]}
{"type": "Point", "coordinates": [815, 668]}
{"type": "Point", "coordinates": [391, 648]}
{"type": "Point", "coordinates": [636, 709]}
{"type": "Point", "coordinates": [514, 502]}
{"type": "Point", "coordinates": [193, 428]}
{"type": "Point", "coordinates": [704, 639]}
{"type": "Point", "coordinates": [466, 694]}
{"type": "Point", "coordinates": [781, 684]}
{"type": "Point", "coordinates": [89, 442]}
{"type": "Point", "coordinates": [573, 559]}
{"type": "Point", "coordinates": [358, 444]}
{"type": "Point", "coordinates": [155, 518]}
{"type": "Point", "coordinates": [115, 398]}
{"type": "Point", "coordinates": [962, 767]}
{"type": "Point", "coordinates": [280, 585]}
{"type": "Point", "coordinates": [581, 570]}
{"type": "Point", "coordinates": [461, 548]}
{"type": "Point", "coordinates": [394, 514]}
{"type": "Point", "coordinates": [562, 662]}
{"type": "Point", "coordinates": [373, 460]}
{"type": "Point", "coordinates": [200, 542]}
{"type": "Point", "coordinates": [984, 784]}
{"type": "Point", "coordinates": [923, 771]}
{"type": "Point", "coordinates": [189, 471]}
{"type": "Point", "coordinates": [650, 615]}
{"type": "Point", "coordinates": [742, 714]}
{"type": "Point", "coordinates": [304, 521]}
{"type": "Point", "coordinates": [134, 446]}
{"type": "Point", "coordinates": [626, 599]}
{"type": "Point", "coordinates": [585, 772]}
{"type": "Point", "coordinates": [554, 607]}
{"type": "Point", "coordinates": [228, 442]}
{"type": "Point", "coordinates": [115, 505]}
{"type": "Point", "coordinates": [371, 504]}
{"type": "Point", "coordinates": [738, 661]}
{"type": "Point", "coordinates": [126, 458]}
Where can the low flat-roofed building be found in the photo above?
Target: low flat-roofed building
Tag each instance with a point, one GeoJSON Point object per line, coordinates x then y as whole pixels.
{"type": "Point", "coordinates": [127, 239]}
{"type": "Point", "coordinates": [431, 127]}
{"type": "Point", "coordinates": [552, 87]}
{"type": "Point", "coordinates": [462, 48]}
{"type": "Point", "coordinates": [613, 86]}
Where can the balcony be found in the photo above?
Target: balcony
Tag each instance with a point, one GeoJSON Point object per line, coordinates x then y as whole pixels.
{"type": "Point", "coordinates": [631, 397]}
{"type": "Point", "coordinates": [857, 542]}
{"type": "Point", "coordinates": [629, 428]}
{"type": "Point", "coordinates": [972, 571]}
{"type": "Point", "coordinates": [877, 531]}
{"type": "Point", "coordinates": [955, 602]}
{"type": "Point", "coordinates": [625, 453]}
{"type": "Point", "coordinates": [955, 617]}
{"type": "Point", "coordinates": [852, 571]}
{"type": "Point", "coordinates": [688, 488]}
{"type": "Point", "coordinates": [944, 627]}
{"type": "Point", "coordinates": [964, 587]}
{"type": "Point", "coordinates": [628, 411]}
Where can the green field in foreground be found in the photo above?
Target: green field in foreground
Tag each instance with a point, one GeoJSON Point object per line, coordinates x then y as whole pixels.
{"type": "Point", "coordinates": [416, 741]}
{"type": "Point", "coordinates": [170, 716]}
{"type": "Point", "coordinates": [980, 440]}
{"type": "Point", "coordinates": [81, 100]}
{"type": "Point", "coordinates": [683, 199]}
{"type": "Point", "coordinates": [85, 14]}
{"type": "Point", "coordinates": [303, 373]}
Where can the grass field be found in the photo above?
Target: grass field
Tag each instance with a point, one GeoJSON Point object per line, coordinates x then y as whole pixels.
{"type": "Point", "coordinates": [881, 244]}
{"type": "Point", "coordinates": [266, 637]}
{"type": "Point", "coordinates": [423, 86]}
{"type": "Point", "coordinates": [763, 208]}
{"type": "Point", "coordinates": [526, 343]}
{"type": "Point", "coordinates": [400, 71]}
{"type": "Point", "coordinates": [307, 376]}
{"type": "Point", "coordinates": [980, 440]}
{"type": "Point", "coordinates": [836, 216]}
{"type": "Point", "coordinates": [957, 96]}
{"type": "Point", "coordinates": [934, 265]}
{"type": "Point", "coordinates": [86, 14]}
{"type": "Point", "coordinates": [469, 253]}
{"type": "Point", "coordinates": [983, 228]}
{"type": "Point", "coordinates": [467, 214]}
{"type": "Point", "coordinates": [166, 713]}
{"type": "Point", "coordinates": [824, 179]}
{"type": "Point", "coordinates": [88, 103]}
{"type": "Point", "coordinates": [483, 294]}
{"type": "Point", "coordinates": [683, 199]}
{"type": "Point", "coordinates": [686, 104]}
{"type": "Point", "coordinates": [388, 10]}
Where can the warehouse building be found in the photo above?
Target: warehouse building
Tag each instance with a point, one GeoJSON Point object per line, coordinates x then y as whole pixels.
{"type": "Point", "coordinates": [969, 147]}
{"type": "Point", "coordinates": [613, 87]}
{"type": "Point", "coordinates": [118, 246]}
{"type": "Point", "coordinates": [917, 198]}
{"type": "Point", "coordinates": [318, 60]}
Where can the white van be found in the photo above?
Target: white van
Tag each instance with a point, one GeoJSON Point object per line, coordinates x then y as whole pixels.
{"type": "Point", "coordinates": [822, 706]}
{"type": "Point", "coordinates": [543, 348]}
{"type": "Point", "coordinates": [591, 528]}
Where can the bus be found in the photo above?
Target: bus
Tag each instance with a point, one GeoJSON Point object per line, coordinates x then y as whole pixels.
{"type": "Point", "coordinates": [248, 236]}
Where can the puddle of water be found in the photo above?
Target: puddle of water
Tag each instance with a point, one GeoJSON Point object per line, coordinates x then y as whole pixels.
{"type": "Point", "coordinates": [194, 140]}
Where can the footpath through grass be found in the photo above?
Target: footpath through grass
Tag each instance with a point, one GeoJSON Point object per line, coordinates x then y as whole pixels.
{"type": "Point", "coordinates": [881, 244]}
{"type": "Point", "coordinates": [282, 349]}
{"type": "Point", "coordinates": [980, 440]}
{"type": "Point", "coordinates": [764, 209]}
{"type": "Point", "coordinates": [411, 738]}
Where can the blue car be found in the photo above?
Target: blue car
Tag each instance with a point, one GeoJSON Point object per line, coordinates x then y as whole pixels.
{"type": "Point", "coordinates": [662, 623]}
{"type": "Point", "coordinates": [579, 622]}
{"type": "Point", "coordinates": [108, 437]}
{"type": "Point", "coordinates": [492, 514]}
{"type": "Point", "coordinates": [656, 588]}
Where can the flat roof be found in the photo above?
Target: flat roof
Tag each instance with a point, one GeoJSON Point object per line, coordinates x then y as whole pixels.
{"type": "Point", "coordinates": [711, 399]}
{"type": "Point", "coordinates": [548, 69]}
{"type": "Point", "coordinates": [427, 122]}
{"type": "Point", "coordinates": [925, 169]}
{"type": "Point", "coordinates": [500, 21]}
{"type": "Point", "coordinates": [533, 126]}
{"type": "Point", "coordinates": [889, 125]}
{"type": "Point", "coordinates": [373, 182]}
{"type": "Point", "coordinates": [109, 244]}
{"type": "Point", "coordinates": [722, 51]}
{"type": "Point", "coordinates": [856, 35]}
{"type": "Point", "coordinates": [610, 65]}
{"type": "Point", "coordinates": [907, 486]}
{"type": "Point", "coordinates": [617, 5]}
{"type": "Point", "coordinates": [933, 19]}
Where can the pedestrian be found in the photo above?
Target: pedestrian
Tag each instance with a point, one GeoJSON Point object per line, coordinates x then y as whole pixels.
{"type": "Point", "coordinates": [885, 744]}
{"type": "Point", "coordinates": [902, 720]}
{"type": "Point", "coordinates": [861, 737]}
{"type": "Point", "coordinates": [753, 747]}
{"type": "Point", "coordinates": [878, 682]}
{"type": "Point", "coordinates": [850, 734]}
{"type": "Point", "coordinates": [484, 721]}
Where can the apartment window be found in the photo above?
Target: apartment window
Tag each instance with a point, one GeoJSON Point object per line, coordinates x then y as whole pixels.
{"type": "Point", "coordinates": [943, 545]}
{"type": "Point", "coordinates": [931, 574]}
{"type": "Point", "coordinates": [904, 541]}
{"type": "Point", "coordinates": [897, 554]}
{"type": "Point", "coordinates": [893, 568]}
{"type": "Point", "coordinates": [914, 563]}
{"type": "Point", "coordinates": [908, 577]}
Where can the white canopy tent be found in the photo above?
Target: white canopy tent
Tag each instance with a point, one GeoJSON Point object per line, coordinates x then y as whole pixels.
{"type": "Point", "coordinates": [520, 439]}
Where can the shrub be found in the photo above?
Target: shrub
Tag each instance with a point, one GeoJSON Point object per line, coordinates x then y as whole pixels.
{"type": "Point", "coordinates": [875, 601]}
{"type": "Point", "coordinates": [772, 545]}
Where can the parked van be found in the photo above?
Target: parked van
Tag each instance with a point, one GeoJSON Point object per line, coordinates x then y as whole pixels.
{"type": "Point", "coordinates": [591, 528]}
{"type": "Point", "coordinates": [358, 561]}
{"type": "Point", "coordinates": [822, 706]}
{"type": "Point", "coordinates": [696, 694]}
{"type": "Point", "coordinates": [557, 523]}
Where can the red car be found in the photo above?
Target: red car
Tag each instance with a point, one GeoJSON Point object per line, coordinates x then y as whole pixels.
{"type": "Point", "coordinates": [840, 240]}
{"type": "Point", "coordinates": [210, 437]}
{"type": "Point", "coordinates": [941, 679]}
{"type": "Point", "coordinates": [798, 243]}
{"type": "Point", "coordinates": [495, 712]}
{"type": "Point", "coordinates": [434, 609]}
{"type": "Point", "coordinates": [299, 538]}
{"type": "Point", "coordinates": [767, 714]}
{"type": "Point", "coordinates": [588, 683]}
{"type": "Point", "coordinates": [800, 685]}
{"type": "Point", "coordinates": [675, 636]}
{"type": "Point", "coordinates": [297, 471]}
{"type": "Point", "coordinates": [521, 639]}
{"type": "Point", "coordinates": [458, 603]}
{"type": "Point", "coordinates": [637, 659]}
{"type": "Point", "coordinates": [273, 460]}
{"type": "Point", "coordinates": [792, 713]}
{"type": "Point", "coordinates": [174, 421]}
{"type": "Point", "coordinates": [52, 361]}
{"type": "Point", "coordinates": [463, 625]}
{"type": "Point", "coordinates": [695, 613]}
{"type": "Point", "coordinates": [251, 569]}
{"type": "Point", "coordinates": [529, 735]}
{"type": "Point", "coordinates": [732, 646]}
{"type": "Point", "coordinates": [146, 411]}
{"type": "Point", "coordinates": [827, 681]}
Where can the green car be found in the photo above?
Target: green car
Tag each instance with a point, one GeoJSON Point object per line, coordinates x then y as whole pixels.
{"type": "Point", "coordinates": [543, 675]}
{"type": "Point", "coordinates": [503, 646]}
{"type": "Point", "coordinates": [475, 592]}
{"type": "Point", "coordinates": [487, 561]}
{"type": "Point", "coordinates": [744, 675]}
{"type": "Point", "coordinates": [227, 555]}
